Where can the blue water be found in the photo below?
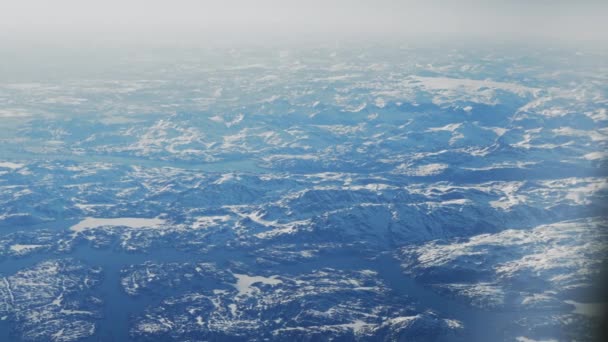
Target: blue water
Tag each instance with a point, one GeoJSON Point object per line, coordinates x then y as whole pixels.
{"type": "Point", "coordinates": [118, 307]}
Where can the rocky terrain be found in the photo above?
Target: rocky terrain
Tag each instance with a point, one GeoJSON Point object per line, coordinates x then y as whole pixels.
{"type": "Point", "coordinates": [325, 194]}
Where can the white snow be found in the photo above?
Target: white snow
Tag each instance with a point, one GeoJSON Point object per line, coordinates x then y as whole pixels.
{"type": "Point", "coordinates": [227, 177]}
{"type": "Point", "coordinates": [482, 294]}
{"type": "Point", "coordinates": [233, 309]}
{"type": "Point", "coordinates": [244, 282]}
{"type": "Point", "coordinates": [594, 135]}
{"type": "Point", "coordinates": [131, 222]}
{"type": "Point", "coordinates": [91, 207]}
{"type": "Point", "coordinates": [510, 198]}
{"type": "Point", "coordinates": [438, 83]}
{"type": "Point", "coordinates": [422, 170]}
{"type": "Point", "coordinates": [446, 91]}
{"type": "Point", "coordinates": [563, 253]}
{"type": "Point", "coordinates": [449, 128]}
{"type": "Point", "coordinates": [595, 155]}
{"type": "Point", "coordinates": [24, 248]}
{"type": "Point", "coordinates": [10, 165]}
{"type": "Point", "coordinates": [209, 221]}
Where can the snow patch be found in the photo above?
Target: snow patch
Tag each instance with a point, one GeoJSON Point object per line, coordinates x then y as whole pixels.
{"type": "Point", "coordinates": [10, 165]}
{"type": "Point", "coordinates": [244, 282]}
{"type": "Point", "coordinates": [131, 222]}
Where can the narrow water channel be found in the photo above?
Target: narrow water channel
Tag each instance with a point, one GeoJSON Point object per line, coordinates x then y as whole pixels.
{"type": "Point", "coordinates": [118, 307]}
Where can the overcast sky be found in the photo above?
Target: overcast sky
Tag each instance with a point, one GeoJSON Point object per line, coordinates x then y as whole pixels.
{"type": "Point", "coordinates": [156, 20]}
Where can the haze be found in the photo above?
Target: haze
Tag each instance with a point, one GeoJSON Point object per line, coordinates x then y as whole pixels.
{"type": "Point", "coordinates": [189, 20]}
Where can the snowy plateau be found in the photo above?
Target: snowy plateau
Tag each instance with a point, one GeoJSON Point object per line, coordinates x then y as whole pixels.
{"type": "Point", "coordinates": [379, 193]}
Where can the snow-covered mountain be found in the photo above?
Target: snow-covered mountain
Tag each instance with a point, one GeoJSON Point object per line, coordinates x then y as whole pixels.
{"type": "Point", "coordinates": [373, 194]}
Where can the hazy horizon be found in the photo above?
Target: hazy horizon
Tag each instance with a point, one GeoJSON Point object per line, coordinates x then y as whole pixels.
{"type": "Point", "coordinates": [189, 22]}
